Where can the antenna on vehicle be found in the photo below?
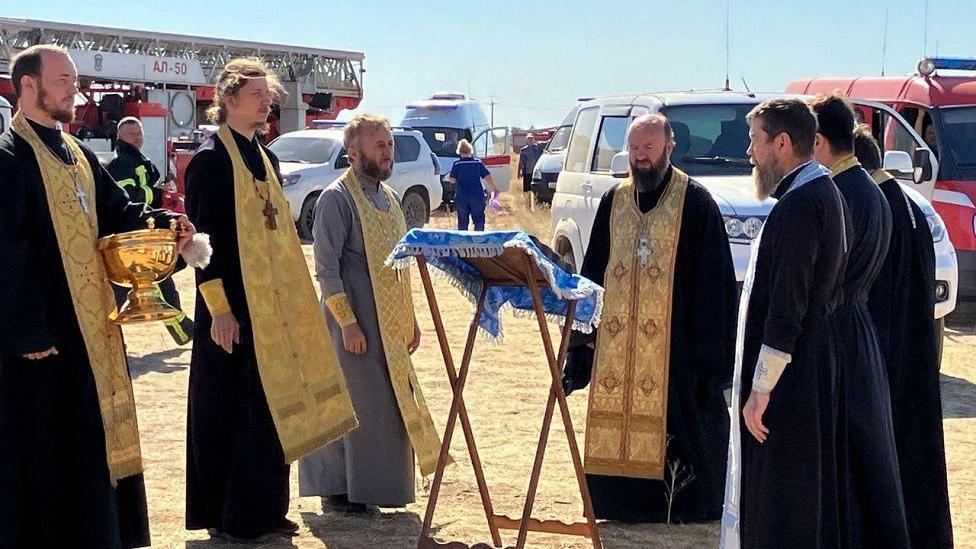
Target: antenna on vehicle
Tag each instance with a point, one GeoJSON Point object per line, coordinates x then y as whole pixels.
{"type": "Point", "coordinates": [925, 30]}
{"type": "Point", "coordinates": [748, 91]}
{"type": "Point", "coordinates": [728, 41]}
{"type": "Point", "coordinates": [884, 43]}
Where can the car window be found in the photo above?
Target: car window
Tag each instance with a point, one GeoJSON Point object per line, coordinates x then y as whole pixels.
{"type": "Point", "coordinates": [406, 148]}
{"type": "Point", "coordinates": [559, 139]}
{"type": "Point", "coordinates": [613, 131]}
{"type": "Point", "coordinates": [710, 139]}
{"type": "Point", "coordinates": [342, 159]}
{"type": "Point", "coordinates": [896, 136]}
{"type": "Point", "coordinates": [443, 141]}
{"type": "Point", "coordinates": [579, 143]}
{"type": "Point", "coordinates": [490, 143]}
{"type": "Point", "coordinates": [960, 135]}
{"type": "Point", "coordinates": [303, 149]}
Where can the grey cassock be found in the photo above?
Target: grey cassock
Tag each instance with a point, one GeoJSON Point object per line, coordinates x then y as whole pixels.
{"type": "Point", "coordinates": [373, 464]}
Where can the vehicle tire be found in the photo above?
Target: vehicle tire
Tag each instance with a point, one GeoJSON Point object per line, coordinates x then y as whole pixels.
{"type": "Point", "coordinates": [415, 207]}
{"type": "Point", "coordinates": [939, 337]}
{"type": "Point", "coordinates": [307, 218]}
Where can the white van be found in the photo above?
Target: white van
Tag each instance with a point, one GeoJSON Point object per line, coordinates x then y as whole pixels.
{"type": "Point", "coordinates": [711, 135]}
{"type": "Point", "coordinates": [445, 119]}
{"type": "Point", "coordinates": [551, 161]}
{"type": "Point", "coordinates": [6, 114]}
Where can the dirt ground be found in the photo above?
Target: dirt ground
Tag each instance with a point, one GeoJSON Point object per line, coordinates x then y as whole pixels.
{"type": "Point", "coordinates": [506, 396]}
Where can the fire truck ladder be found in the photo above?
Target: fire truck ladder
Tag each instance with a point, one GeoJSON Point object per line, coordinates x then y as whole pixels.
{"type": "Point", "coordinates": [316, 70]}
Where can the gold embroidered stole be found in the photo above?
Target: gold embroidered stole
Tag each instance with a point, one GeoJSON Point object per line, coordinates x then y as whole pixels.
{"type": "Point", "coordinates": [296, 358]}
{"type": "Point", "coordinates": [626, 425]}
{"type": "Point", "coordinates": [843, 164]}
{"type": "Point", "coordinates": [394, 310]}
{"type": "Point", "coordinates": [70, 191]}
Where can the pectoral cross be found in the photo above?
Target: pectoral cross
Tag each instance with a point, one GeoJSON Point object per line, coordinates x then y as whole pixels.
{"type": "Point", "coordinates": [80, 193]}
{"type": "Point", "coordinates": [643, 250]}
{"type": "Point", "coordinates": [271, 216]}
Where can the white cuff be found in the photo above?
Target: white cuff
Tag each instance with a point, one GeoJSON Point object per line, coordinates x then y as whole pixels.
{"type": "Point", "coordinates": [197, 251]}
{"type": "Point", "coordinates": [769, 367]}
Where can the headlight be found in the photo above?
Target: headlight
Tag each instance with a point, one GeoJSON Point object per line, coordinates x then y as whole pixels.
{"type": "Point", "coordinates": [733, 227]}
{"type": "Point", "coordinates": [937, 227]}
{"type": "Point", "coordinates": [747, 228]}
{"type": "Point", "coordinates": [751, 227]}
{"type": "Point", "coordinates": [537, 174]}
{"type": "Point", "coordinates": [290, 179]}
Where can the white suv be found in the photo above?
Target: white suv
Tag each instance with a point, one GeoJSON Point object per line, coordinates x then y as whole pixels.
{"type": "Point", "coordinates": [312, 159]}
{"type": "Point", "coordinates": [711, 136]}
{"type": "Point", "coordinates": [5, 114]}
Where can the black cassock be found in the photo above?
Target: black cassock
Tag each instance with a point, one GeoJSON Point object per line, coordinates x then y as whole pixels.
{"type": "Point", "coordinates": [788, 483]}
{"type": "Point", "coordinates": [54, 480]}
{"type": "Point", "coordinates": [703, 312]}
{"type": "Point", "coordinates": [902, 306]}
{"type": "Point", "coordinates": [236, 475]}
{"type": "Point", "coordinates": [871, 509]}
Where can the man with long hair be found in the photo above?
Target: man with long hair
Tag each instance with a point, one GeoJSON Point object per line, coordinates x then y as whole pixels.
{"type": "Point", "coordinates": [265, 386]}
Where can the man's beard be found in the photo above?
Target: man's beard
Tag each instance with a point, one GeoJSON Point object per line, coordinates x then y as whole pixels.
{"type": "Point", "coordinates": [767, 179]}
{"type": "Point", "coordinates": [261, 126]}
{"type": "Point", "coordinates": [373, 170]}
{"type": "Point", "coordinates": [647, 179]}
{"type": "Point", "coordinates": [61, 115]}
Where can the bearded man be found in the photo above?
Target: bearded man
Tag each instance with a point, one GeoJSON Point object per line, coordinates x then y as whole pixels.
{"type": "Point", "coordinates": [358, 221]}
{"type": "Point", "coordinates": [781, 487]}
{"type": "Point", "coordinates": [657, 420]}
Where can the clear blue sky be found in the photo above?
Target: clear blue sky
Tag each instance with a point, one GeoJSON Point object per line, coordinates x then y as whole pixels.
{"type": "Point", "coordinates": [536, 58]}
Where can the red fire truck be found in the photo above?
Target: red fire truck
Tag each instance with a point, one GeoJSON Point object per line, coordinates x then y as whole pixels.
{"type": "Point", "coordinates": [940, 101]}
{"type": "Point", "coordinates": [166, 80]}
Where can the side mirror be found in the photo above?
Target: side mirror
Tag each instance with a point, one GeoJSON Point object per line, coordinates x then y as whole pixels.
{"type": "Point", "coordinates": [898, 162]}
{"type": "Point", "coordinates": [620, 165]}
{"type": "Point", "coordinates": [923, 159]}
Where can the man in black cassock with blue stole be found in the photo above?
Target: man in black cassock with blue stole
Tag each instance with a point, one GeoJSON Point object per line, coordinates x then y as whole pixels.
{"type": "Point", "coordinates": [781, 482]}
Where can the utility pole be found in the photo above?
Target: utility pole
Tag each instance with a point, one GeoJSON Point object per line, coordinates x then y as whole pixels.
{"type": "Point", "coordinates": [492, 112]}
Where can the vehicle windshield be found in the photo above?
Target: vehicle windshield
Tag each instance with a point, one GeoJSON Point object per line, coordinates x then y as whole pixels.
{"type": "Point", "coordinates": [959, 136]}
{"type": "Point", "coordinates": [303, 149]}
{"type": "Point", "coordinates": [560, 139]}
{"type": "Point", "coordinates": [710, 139]}
{"type": "Point", "coordinates": [444, 141]}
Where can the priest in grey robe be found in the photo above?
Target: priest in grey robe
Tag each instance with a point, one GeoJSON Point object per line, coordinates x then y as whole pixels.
{"type": "Point", "coordinates": [357, 218]}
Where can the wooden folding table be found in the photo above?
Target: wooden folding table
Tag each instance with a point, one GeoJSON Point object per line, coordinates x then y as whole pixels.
{"type": "Point", "coordinates": [514, 267]}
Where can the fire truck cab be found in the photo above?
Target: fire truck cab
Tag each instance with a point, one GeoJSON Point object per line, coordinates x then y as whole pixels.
{"type": "Point", "coordinates": [939, 101]}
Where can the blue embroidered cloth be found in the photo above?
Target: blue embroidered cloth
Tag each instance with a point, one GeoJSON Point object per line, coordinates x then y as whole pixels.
{"type": "Point", "coordinates": [447, 251]}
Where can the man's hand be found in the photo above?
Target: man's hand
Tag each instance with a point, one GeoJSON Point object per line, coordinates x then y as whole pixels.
{"type": "Point", "coordinates": [185, 230]}
{"type": "Point", "coordinates": [752, 414]}
{"type": "Point", "coordinates": [225, 331]}
{"type": "Point", "coordinates": [53, 351]}
{"type": "Point", "coordinates": [353, 339]}
{"type": "Point", "coordinates": [412, 346]}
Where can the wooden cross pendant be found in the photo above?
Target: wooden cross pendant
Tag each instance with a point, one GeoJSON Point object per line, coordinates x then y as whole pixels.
{"type": "Point", "coordinates": [271, 216]}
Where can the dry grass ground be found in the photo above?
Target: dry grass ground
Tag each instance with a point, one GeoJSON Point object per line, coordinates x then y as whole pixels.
{"type": "Point", "coordinates": [506, 395]}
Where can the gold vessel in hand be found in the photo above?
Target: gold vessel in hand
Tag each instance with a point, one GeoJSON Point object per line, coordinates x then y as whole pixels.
{"type": "Point", "coordinates": [140, 260]}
